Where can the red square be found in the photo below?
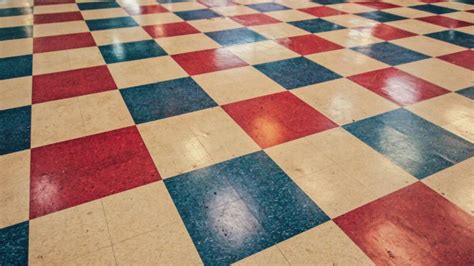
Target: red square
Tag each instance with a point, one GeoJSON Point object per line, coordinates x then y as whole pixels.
{"type": "Point", "coordinates": [254, 19]}
{"type": "Point", "coordinates": [322, 11]}
{"type": "Point", "coordinates": [134, 10]}
{"type": "Point", "coordinates": [60, 85]}
{"type": "Point", "coordinates": [57, 17]}
{"type": "Point", "coordinates": [73, 172]}
{"type": "Point", "coordinates": [205, 61]}
{"type": "Point", "coordinates": [445, 22]}
{"type": "Point", "coordinates": [62, 42]}
{"type": "Point", "coordinates": [398, 86]}
{"type": "Point", "coordinates": [387, 32]}
{"type": "Point", "coordinates": [52, 2]}
{"type": "Point", "coordinates": [170, 29]}
{"type": "Point", "coordinates": [470, 11]}
{"type": "Point", "coordinates": [432, 1]}
{"type": "Point", "coordinates": [412, 226]}
{"type": "Point", "coordinates": [277, 118]}
{"type": "Point", "coordinates": [464, 59]}
{"type": "Point", "coordinates": [308, 44]}
{"type": "Point", "coordinates": [378, 5]}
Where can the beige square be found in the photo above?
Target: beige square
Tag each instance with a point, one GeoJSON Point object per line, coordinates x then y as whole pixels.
{"type": "Point", "coordinates": [350, 37]}
{"type": "Point", "coordinates": [289, 15]}
{"type": "Point", "coordinates": [103, 13]}
{"type": "Point", "coordinates": [278, 30]}
{"type": "Point", "coordinates": [416, 26]}
{"type": "Point", "coordinates": [408, 12]}
{"type": "Point", "coordinates": [262, 52]}
{"type": "Point", "coordinates": [15, 92]}
{"type": "Point", "coordinates": [145, 71]}
{"type": "Point", "coordinates": [133, 2]}
{"type": "Point", "coordinates": [296, 4]}
{"type": "Point", "coordinates": [236, 84]}
{"type": "Point", "coordinates": [103, 257]}
{"type": "Point", "coordinates": [214, 24]}
{"type": "Point", "coordinates": [187, 43]}
{"type": "Point", "coordinates": [60, 8]}
{"type": "Point", "coordinates": [10, 4]}
{"type": "Point", "coordinates": [67, 234]}
{"type": "Point", "coordinates": [16, 47]}
{"type": "Point", "coordinates": [269, 256]}
{"type": "Point", "coordinates": [351, 21]}
{"type": "Point", "coordinates": [249, 2]}
{"type": "Point", "coordinates": [468, 30]}
{"type": "Point", "coordinates": [465, 16]}
{"type": "Point", "coordinates": [120, 35]}
{"type": "Point", "coordinates": [62, 28]}
{"type": "Point", "coordinates": [77, 117]}
{"type": "Point", "coordinates": [234, 10]}
{"type": "Point", "coordinates": [58, 61]}
{"type": "Point", "coordinates": [428, 46]}
{"type": "Point", "coordinates": [404, 2]}
{"type": "Point", "coordinates": [14, 188]}
{"type": "Point", "coordinates": [187, 142]}
{"type": "Point", "coordinates": [347, 62]}
{"type": "Point", "coordinates": [352, 8]}
{"type": "Point", "coordinates": [441, 73]}
{"type": "Point", "coordinates": [15, 21]}
{"type": "Point", "coordinates": [455, 5]}
{"type": "Point", "coordinates": [183, 6]}
{"type": "Point", "coordinates": [344, 101]}
{"type": "Point", "coordinates": [156, 19]}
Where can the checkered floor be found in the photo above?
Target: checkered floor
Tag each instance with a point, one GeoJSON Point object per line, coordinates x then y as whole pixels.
{"type": "Point", "coordinates": [248, 131]}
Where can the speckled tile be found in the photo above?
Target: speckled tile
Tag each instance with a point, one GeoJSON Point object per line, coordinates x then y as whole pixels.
{"type": "Point", "coordinates": [14, 244]}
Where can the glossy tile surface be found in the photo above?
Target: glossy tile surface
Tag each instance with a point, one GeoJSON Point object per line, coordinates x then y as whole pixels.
{"type": "Point", "coordinates": [247, 132]}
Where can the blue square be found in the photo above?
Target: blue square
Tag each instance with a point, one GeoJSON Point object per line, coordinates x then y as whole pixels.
{"type": "Point", "coordinates": [15, 128]}
{"type": "Point", "coordinates": [267, 7]}
{"type": "Point", "coordinates": [329, 2]}
{"type": "Point", "coordinates": [111, 23]}
{"type": "Point", "coordinates": [235, 36]}
{"type": "Point", "coordinates": [296, 72]}
{"type": "Point", "coordinates": [14, 244]}
{"type": "Point", "coordinates": [16, 66]}
{"type": "Point", "coordinates": [434, 9]}
{"type": "Point", "coordinates": [97, 5]}
{"type": "Point", "coordinates": [241, 206]}
{"type": "Point", "coordinates": [390, 53]}
{"type": "Point", "coordinates": [316, 25]}
{"type": "Point", "coordinates": [197, 14]}
{"type": "Point", "coordinates": [120, 52]}
{"type": "Point", "coordinates": [454, 37]}
{"type": "Point", "coordinates": [414, 144]}
{"type": "Point", "coordinates": [380, 16]}
{"type": "Point", "coordinates": [468, 92]}
{"type": "Point", "coordinates": [164, 99]}
{"type": "Point", "coordinates": [12, 33]}
{"type": "Point", "coordinates": [16, 11]}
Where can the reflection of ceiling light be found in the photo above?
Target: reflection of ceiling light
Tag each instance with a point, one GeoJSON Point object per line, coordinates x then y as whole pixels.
{"type": "Point", "coordinates": [401, 90]}
{"type": "Point", "coordinates": [46, 190]}
{"type": "Point", "coordinates": [269, 128]}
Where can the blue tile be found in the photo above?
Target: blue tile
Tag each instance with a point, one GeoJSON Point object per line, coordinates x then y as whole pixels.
{"type": "Point", "coordinates": [120, 52]}
{"type": "Point", "coordinates": [414, 144]}
{"type": "Point", "coordinates": [434, 9]}
{"type": "Point", "coordinates": [16, 66]}
{"type": "Point", "coordinates": [172, 1]}
{"type": "Point", "coordinates": [12, 33]}
{"type": "Point", "coordinates": [380, 16]}
{"type": "Point", "coordinates": [239, 207]}
{"type": "Point", "coordinates": [390, 53]}
{"type": "Point", "coordinates": [468, 92]}
{"type": "Point", "coordinates": [469, 2]}
{"type": "Point", "coordinates": [454, 37]}
{"type": "Point", "coordinates": [296, 72]}
{"type": "Point", "coordinates": [97, 5]}
{"type": "Point", "coordinates": [14, 244]}
{"type": "Point", "coordinates": [267, 7]}
{"type": "Point", "coordinates": [329, 2]}
{"type": "Point", "coordinates": [235, 36]}
{"type": "Point", "coordinates": [111, 23]}
{"type": "Point", "coordinates": [17, 11]}
{"type": "Point", "coordinates": [197, 14]}
{"type": "Point", "coordinates": [15, 128]}
{"type": "Point", "coordinates": [316, 25]}
{"type": "Point", "coordinates": [164, 99]}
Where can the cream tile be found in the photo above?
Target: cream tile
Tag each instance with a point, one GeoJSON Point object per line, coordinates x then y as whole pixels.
{"type": "Point", "coordinates": [103, 13]}
{"type": "Point", "coordinates": [16, 47]}
{"type": "Point", "coordinates": [58, 61]}
{"type": "Point", "coordinates": [15, 21]}
{"type": "Point", "coordinates": [455, 183]}
{"type": "Point", "coordinates": [249, 2]}
{"type": "Point", "coordinates": [269, 256]}
{"type": "Point", "coordinates": [295, 4]}
{"type": "Point", "coordinates": [120, 35]}
{"type": "Point", "coordinates": [214, 24]}
{"type": "Point", "coordinates": [77, 117]}
{"type": "Point", "coordinates": [234, 10]}
{"type": "Point", "coordinates": [104, 257]}
{"type": "Point", "coordinates": [455, 5]}
{"type": "Point", "coordinates": [416, 26]}
{"type": "Point", "coordinates": [404, 2]}
{"type": "Point", "coordinates": [289, 15]}
{"type": "Point", "coordinates": [344, 101]}
{"type": "Point", "coordinates": [352, 8]}
{"type": "Point", "coordinates": [351, 21]}
{"type": "Point", "coordinates": [350, 38]}
{"type": "Point", "coordinates": [145, 71]}
{"type": "Point", "coordinates": [133, 2]}
{"type": "Point", "coordinates": [187, 142]}
{"type": "Point", "coordinates": [187, 43]}
{"type": "Point", "coordinates": [468, 30]}
{"type": "Point", "coordinates": [278, 30]}
{"type": "Point", "coordinates": [323, 245]}
{"type": "Point", "coordinates": [155, 19]}
{"type": "Point", "coordinates": [262, 52]}
{"type": "Point", "coordinates": [465, 16]}
{"type": "Point", "coordinates": [183, 6]}
{"type": "Point", "coordinates": [347, 62]}
{"type": "Point", "coordinates": [10, 4]}
{"type": "Point", "coordinates": [68, 234]}
{"type": "Point", "coordinates": [15, 92]}
{"type": "Point", "coordinates": [428, 46]}
{"type": "Point", "coordinates": [60, 8]}
{"type": "Point", "coordinates": [62, 28]}
{"type": "Point", "coordinates": [408, 12]}
{"type": "Point", "coordinates": [14, 188]}
{"type": "Point", "coordinates": [441, 73]}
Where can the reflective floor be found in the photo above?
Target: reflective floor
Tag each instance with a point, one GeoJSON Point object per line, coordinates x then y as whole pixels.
{"type": "Point", "coordinates": [254, 132]}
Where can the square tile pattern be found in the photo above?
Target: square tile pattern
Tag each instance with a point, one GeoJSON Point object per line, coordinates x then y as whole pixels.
{"type": "Point", "coordinates": [253, 132]}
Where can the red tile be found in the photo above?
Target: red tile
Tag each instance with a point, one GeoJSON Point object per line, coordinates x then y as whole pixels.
{"type": "Point", "coordinates": [216, 3]}
{"type": "Point", "coordinates": [398, 86]}
{"type": "Point", "coordinates": [62, 42]}
{"type": "Point", "coordinates": [170, 29]}
{"type": "Point", "coordinates": [377, 5]}
{"type": "Point", "coordinates": [52, 2]}
{"type": "Point", "coordinates": [445, 22]}
{"type": "Point", "coordinates": [308, 44]}
{"type": "Point", "coordinates": [54, 86]}
{"type": "Point", "coordinates": [322, 11]}
{"type": "Point", "coordinates": [432, 1]}
{"type": "Point", "coordinates": [70, 173]}
{"type": "Point", "coordinates": [254, 19]}
{"type": "Point", "coordinates": [134, 10]}
{"type": "Point", "coordinates": [464, 59]}
{"type": "Point", "coordinates": [277, 118]}
{"type": "Point", "coordinates": [205, 61]}
{"type": "Point", "coordinates": [412, 226]}
{"type": "Point", "coordinates": [57, 17]}
{"type": "Point", "coordinates": [470, 11]}
{"type": "Point", "coordinates": [387, 32]}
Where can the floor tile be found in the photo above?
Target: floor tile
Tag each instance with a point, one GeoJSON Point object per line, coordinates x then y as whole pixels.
{"type": "Point", "coordinates": [351, 8]}
{"type": "Point", "coordinates": [15, 92]}
{"type": "Point", "coordinates": [148, 9]}
{"type": "Point", "coordinates": [278, 30]}
{"type": "Point", "coordinates": [454, 37]}
{"type": "Point", "coordinates": [271, 256]}
{"type": "Point", "coordinates": [16, 47]}
{"type": "Point", "coordinates": [267, 7]}
{"type": "Point", "coordinates": [156, 19]}
{"type": "Point", "coordinates": [380, 16]}
{"type": "Point", "coordinates": [111, 23]}
{"type": "Point", "coordinates": [467, 92]}
{"type": "Point", "coordinates": [13, 33]}
{"type": "Point", "coordinates": [15, 129]}
{"type": "Point", "coordinates": [416, 26]}
{"type": "Point", "coordinates": [197, 14]}
{"type": "Point", "coordinates": [384, 228]}
{"type": "Point", "coordinates": [387, 33]}
{"type": "Point", "coordinates": [350, 37]}
{"type": "Point", "coordinates": [445, 22]}
{"type": "Point", "coordinates": [235, 36]}
{"type": "Point", "coordinates": [206, 61]}
{"type": "Point", "coordinates": [261, 52]}
{"type": "Point", "coordinates": [170, 29]}
{"type": "Point", "coordinates": [308, 44]}
{"type": "Point", "coordinates": [15, 66]}
{"type": "Point", "coordinates": [428, 46]}
{"type": "Point", "coordinates": [289, 15]}
{"type": "Point", "coordinates": [233, 10]}
{"type": "Point", "coordinates": [64, 60]}
{"type": "Point", "coordinates": [62, 42]}
{"type": "Point", "coordinates": [57, 17]}
{"type": "Point", "coordinates": [15, 11]}
{"type": "Point", "coordinates": [316, 25]}
{"type": "Point", "coordinates": [120, 35]}
{"type": "Point", "coordinates": [103, 13]}
{"type": "Point", "coordinates": [254, 19]}
{"type": "Point", "coordinates": [434, 9]}
{"type": "Point", "coordinates": [408, 12]}
{"type": "Point", "coordinates": [390, 53]}
{"type": "Point", "coordinates": [14, 239]}
{"type": "Point", "coordinates": [187, 43]}
{"type": "Point", "coordinates": [52, 29]}
{"type": "Point", "coordinates": [214, 24]}
{"type": "Point", "coordinates": [57, 8]}
{"type": "Point", "coordinates": [103, 256]}
{"type": "Point", "coordinates": [322, 11]}
{"type": "Point", "coordinates": [121, 52]}
{"type": "Point", "coordinates": [378, 5]}
{"type": "Point", "coordinates": [97, 5]}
